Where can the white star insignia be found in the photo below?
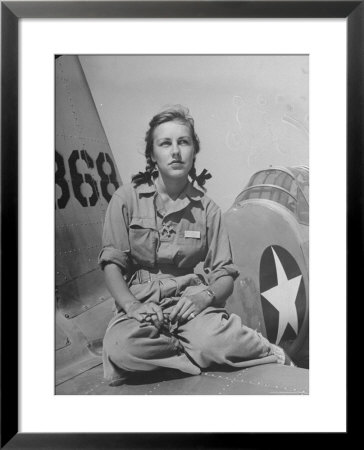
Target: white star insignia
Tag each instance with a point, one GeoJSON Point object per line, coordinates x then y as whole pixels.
{"type": "Point", "coordinates": [283, 298]}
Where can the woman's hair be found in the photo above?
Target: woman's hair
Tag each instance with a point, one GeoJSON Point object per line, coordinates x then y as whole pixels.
{"type": "Point", "coordinates": [174, 113]}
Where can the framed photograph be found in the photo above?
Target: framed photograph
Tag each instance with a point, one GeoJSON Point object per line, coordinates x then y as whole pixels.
{"type": "Point", "coordinates": [255, 76]}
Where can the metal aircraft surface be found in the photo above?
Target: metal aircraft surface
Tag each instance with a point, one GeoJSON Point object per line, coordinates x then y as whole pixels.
{"type": "Point", "coordinates": [86, 176]}
{"type": "Point", "coordinates": [268, 226]}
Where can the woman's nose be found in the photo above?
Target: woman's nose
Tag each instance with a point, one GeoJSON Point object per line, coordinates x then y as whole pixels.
{"type": "Point", "coordinates": [175, 149]}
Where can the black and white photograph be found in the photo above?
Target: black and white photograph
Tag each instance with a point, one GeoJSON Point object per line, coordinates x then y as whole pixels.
{"type": "Point", "coordinates": [182, 224]}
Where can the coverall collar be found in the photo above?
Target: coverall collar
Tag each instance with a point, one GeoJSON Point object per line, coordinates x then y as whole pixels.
{"type": "Point", "coordinates": [191, 192]}
{"type": "Point", "coordinates": [186, 196]}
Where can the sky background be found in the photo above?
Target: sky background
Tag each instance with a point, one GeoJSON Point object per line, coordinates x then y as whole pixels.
{"type": "Point", "coordinates": [250, 111]}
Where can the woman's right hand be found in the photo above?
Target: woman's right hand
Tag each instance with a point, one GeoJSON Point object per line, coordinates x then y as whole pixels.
{"type": "Point", "coordinates": [146, 312]}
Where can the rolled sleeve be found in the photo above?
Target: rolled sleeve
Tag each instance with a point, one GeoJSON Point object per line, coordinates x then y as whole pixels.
{"type": "Point", "coordinates": [113, 255]}
{"type": "Point", "coordinates": [218, 262]}
{"type": "Point", "coordinates": [115, 238]}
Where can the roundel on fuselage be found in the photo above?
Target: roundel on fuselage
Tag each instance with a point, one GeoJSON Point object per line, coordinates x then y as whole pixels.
{"type": "Point", "coordinates": [283, 296]}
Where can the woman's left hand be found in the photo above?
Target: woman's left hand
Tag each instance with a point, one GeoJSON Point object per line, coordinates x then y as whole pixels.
{"type": "Point", "coordinates": [188, 307]}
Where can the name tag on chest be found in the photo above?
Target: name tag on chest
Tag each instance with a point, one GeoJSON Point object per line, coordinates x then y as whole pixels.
{"type": "Point", "coordinates": [193, 234]}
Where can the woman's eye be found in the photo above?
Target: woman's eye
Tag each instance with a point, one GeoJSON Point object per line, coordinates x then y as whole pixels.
{"type": "Point", "coordinates": [184, 142]}
{"type": "Point", "coordinates": [165, 144]}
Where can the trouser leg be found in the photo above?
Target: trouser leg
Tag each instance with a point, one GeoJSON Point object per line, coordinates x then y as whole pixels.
{"type": "Point", "coordinates": [131, 346]}
{"type": "Point", "coordinates": [214, 336]}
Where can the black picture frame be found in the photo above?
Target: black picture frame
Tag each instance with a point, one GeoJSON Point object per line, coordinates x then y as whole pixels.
{"type": "Point", "coordinates": [11, 12]}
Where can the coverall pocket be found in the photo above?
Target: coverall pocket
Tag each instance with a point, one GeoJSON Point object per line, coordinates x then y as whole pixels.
{"type": "Point", "coordinates": [191, 250]}
{"type": "Point", "coordinates": [143, 241]}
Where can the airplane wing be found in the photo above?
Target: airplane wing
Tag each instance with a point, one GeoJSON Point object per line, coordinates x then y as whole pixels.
{"type": "Point", "coordinates": [260, 380]}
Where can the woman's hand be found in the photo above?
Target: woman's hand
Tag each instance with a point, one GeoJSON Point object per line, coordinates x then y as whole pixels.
{"type": "Point", "coordinates": [188, 307]}
{"type": "Point", "coordinates": [146, 312]}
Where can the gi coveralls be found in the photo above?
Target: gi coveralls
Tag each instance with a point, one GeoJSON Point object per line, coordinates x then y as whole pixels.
{"type": "Point", "coordinates": [157, 251]}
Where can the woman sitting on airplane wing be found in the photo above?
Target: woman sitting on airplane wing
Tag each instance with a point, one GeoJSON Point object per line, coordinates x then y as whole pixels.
{"type": "Point", "coordinates": [157, 229]}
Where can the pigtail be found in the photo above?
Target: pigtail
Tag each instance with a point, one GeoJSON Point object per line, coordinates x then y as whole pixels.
{"type": "Point", "coordinates": [200, 179]}
{"type": "Point", "coordinates": [147, 176]}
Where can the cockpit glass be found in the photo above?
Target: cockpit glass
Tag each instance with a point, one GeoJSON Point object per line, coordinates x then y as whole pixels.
{"type": "Point", "coordinates": [302, 178]}
{"type": "Point", "coordinates": [271, 185]}
{"type": "Point", "coordinates": [270, 193]}
{"type": "Point", "coordinates": [258, 178]}
{"type": "Point", "coordinates": [303, 209]}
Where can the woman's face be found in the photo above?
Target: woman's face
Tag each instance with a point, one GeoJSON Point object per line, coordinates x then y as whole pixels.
{"type": "Point", "coordinates": [173, 150]}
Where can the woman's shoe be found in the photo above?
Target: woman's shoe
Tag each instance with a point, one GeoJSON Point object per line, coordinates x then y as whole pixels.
{"type": "Point", "coordinates": [282, 357]}
{"type": "Point", "coordinates": [118, 381]}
